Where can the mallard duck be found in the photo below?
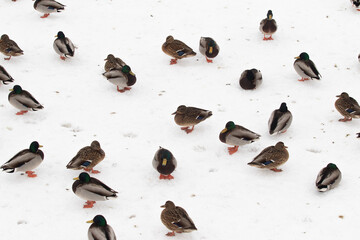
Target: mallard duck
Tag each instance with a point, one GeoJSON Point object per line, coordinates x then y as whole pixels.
{"type": "Point", "coordinates": [271, 157]}
{"type": "Point", "coordinates": [358, 135]}
{"type": "Point", "coordinates": [237, 135]}
{"type": "Point", "coordinates": [5, 76]}
{"type": "Point", "coordinates": [328, 178]}
{"type": "Point", "coordinates": [190, 116]}
{"type": "Point", "coordinates": [280, 120]}
{"type": "Point", "coordinates": [48, 6]}
{"type": "Point", "coordinates": [268, 26]}
{"type": "Point", "coordinates": [164, 162]}
{"type": "Point", "coordinates": [209, 48]}
{"type": "Point", "coordinates": [123, 78]}
{"type": "Point", "coordinates": [92, 190]}
{"type": "Point", "coordinates": [23, 100]}
{"type": "Point", "coordinates": [63, 46]}
{"type": "Point", "coordinates": [9, 47]}
{"type": "Point", "coordinates": [305, 67]}
{"type": "Point", "coordinates": [100, 230]}
{"type": "Point", "coordinates": [250, 79]}
{"type": "Point", "coordinates": [176, 219]}
{"type": "Point", "coordinates": [356, 4]}
{"type": "Point", "coordinates": [113, 63]}
{"type": "Point", "coordinates": [347, 106]}
{"type": "Point", "coordinates": [25, 161]}
{"type": "Point", "coordinates": [87, 158]}
{"type": "Point", "coordinates": [176, 49]}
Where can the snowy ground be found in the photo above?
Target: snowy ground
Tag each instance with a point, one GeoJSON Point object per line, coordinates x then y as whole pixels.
{"type": "Point", "coordinates": [226, 198]}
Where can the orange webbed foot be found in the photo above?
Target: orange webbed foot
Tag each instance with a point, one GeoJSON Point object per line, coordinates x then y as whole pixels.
{"type": "Point", "coordinates": [169, 177]}
{"type": "Point", "coordinates": [120, 90]}
{"type": "Point", "coordinates": [31, 174]}
{"type": "Point", "coordinates": [45, 15]}
{"type": "Point", "coordinates": [173, 61]}
{"type": "Point", "coordinates": [345, 119]}
{"type": "Point", "coordinates": [209, 60]}
{"type": "Point", "coordinates": [7, 58]}
{"type": "Point", "coordinates": [89, 204]}
{"type": "Point", "coordinates": [21, 112]}
{"type": "Point", "coordinates": [170, 234]}
{"type": "Point", "coordinates": [233, 150]}
{"type": "Point", "coordinates": [276, 170]}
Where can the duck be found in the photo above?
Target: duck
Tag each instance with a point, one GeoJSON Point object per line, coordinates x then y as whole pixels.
{"type": "Point", "coordinates": [176, 49]}
{"type": "Point", "coordinates": [113, 63]}
{"type": "Point", "coordinates": [5, 76]}
{"type": "Point", "coordinates": [268, 26]}
{"type": "Point", "coordinates": [305, 67]}
{"type": "Point", "coordinates": [48, 6]}
{"type": "Point", "coordinates": [190, 116]}
{"type": "Point", "coordinates": [250, 79]}
{"type": "Point", "coordinates": [359, 57]}
{"type": "Point", "coordinates": [25, 160]}
{"type": "Point", "coordinates": [237, 135]}
{"type": "Point", "coordinates": [9, 47]}
{"type": "Point", "coordinates": [328, 178]}
{"type": "Point", "coordinates": [356, 4]}
{"type": "Point", "coordinates": [100, 230]}
{"type": "Point", "coordinates": [87, 158]}
{"type": "Point", "coordinates": [271, 157]}
{"type": "Point", "coordinates": [63, 46]}
{"type": "Point", "coordinates": [176, 219]}
{"type": "Point", "coordinates": [92, 190]}
{"type": "Point", "coordinates": [23, 100]}
{"type": "Point", "coordinates": [165, 163]}
{"type": "Point", "coordinates": [347, 106]}
{"type": "Point", "coordinates": [209, 48]}
{"type": "Point", "coordinates": [280, 120]}
{"type": "Point", "coordinates": [123, 78]}
{"type": "Point", "coordinates": [358, 135]}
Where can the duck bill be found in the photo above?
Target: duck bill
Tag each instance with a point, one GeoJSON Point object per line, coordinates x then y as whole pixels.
{"type": "Point", "coordinates": [224, 130]}
{"type": "Point", "coordinates": [297, 57]}
{"type": "Point", "coordinates": [285, 147]}
{"type": "Point", "coordinates": [11, 90]}
{"type": "Point", "coordinates": [40, 146]}
{"type": "Point", "coordinates": [90, 221]}
{"type": "Point", "coordinates": [173, 113]}
{"type": "Point", "coordinates": [56, 36]}
{"type": "Point", "coordinates": [77, 178]}
{"type": "Point", "coordinates": [164, 162]}
{"type": "Point", "coordinates": [337, 95]}
{"type": "Point", "coordinates": [131, 73]}
{"type": "Point", "coordinates": [270, 17]}
{"type": "Point", "coordinates": [162, 206]}
{"type": "Point", "coordinates": [211, 50]}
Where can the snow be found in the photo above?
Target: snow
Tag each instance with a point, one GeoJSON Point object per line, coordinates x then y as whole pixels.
{"type": "Point", "coordinates": [225, 197]}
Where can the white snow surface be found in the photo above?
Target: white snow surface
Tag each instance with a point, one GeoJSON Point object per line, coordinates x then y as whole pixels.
{"type": "Point", "coordinates": [226, 198]}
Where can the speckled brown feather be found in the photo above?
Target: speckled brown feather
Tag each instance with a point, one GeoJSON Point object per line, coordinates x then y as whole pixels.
{"type": "Point", "coordinates": [190, 116]}
{"type": "Point", "coordinates": [94, 153]}
{"type": "Point", "coordinates": [9, 47]}
{"type": "Point", "coordinates": [176, 218]}
{"type": "Point", "coordinates": [345, 103]}
{"type": "Point", "coordinates": [271, 157]}
{"type": "Point", "coordinates": [172, 48]}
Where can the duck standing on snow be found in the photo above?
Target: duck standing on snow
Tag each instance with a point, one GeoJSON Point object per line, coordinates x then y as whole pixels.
{"type": "Point", "coordinates": [190, 116]}
{"type": "Point", "coordinates": [356, 4]}
{"type": "Point", "coordinates": [328, 178]}
{"type": "Point", "coordinates": [63, 46]}
{"type": "Point", "coordinates": [113, 62]}
{"type": "Point", "coordinates": [165, 163]}
{"type": "Point", "coordinates": [9, 47]}
{"type": "Point", "coordinates": [176, 219]}
{"type": "Point", "coordinates": [25, 161]}
{"type": "Point", "coordinates": [48, 6]}
{"type": "Point", "coordinates": [271, 157]}
{"type": "Point", "coordinates": [280, 120]}
{"type": "Point", "coordinates": [237, 135]}
{"type": "Point", "coordinates": [92, 190]}
{"type": "Point", "coordinates": [176, 49]}
{"type": "Point", "coordinates": [23, 100]}
{"type": "Point", "coordinates": [87, 158]}
{"type": "Point", "coordinates": [5, 76]}
{"type": "Point", "coordinates": [268, 26]}
{"type": "Point", "coordinates": [305, 67]}
{"type": "Point", "coordinates": [123, 78]}
{"type": "Point", "coordinates": [250, 79]}
{"type": "Point", "coordinates": [100, 230]}
{"type": "Point", "coordinates": [209, 48]}
{"type": "Point", "coordinates": [347, 106]}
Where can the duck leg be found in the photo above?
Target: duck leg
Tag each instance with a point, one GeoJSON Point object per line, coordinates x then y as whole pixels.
{"type": "Point", "coordinates": [276, 170]}
{"type": "Point", "coordinates": [21, 112]}
{"type": "Point", "coordinates": [127, 88]}
{"type": "Point", "coordinates": [62, 58]}
{"type": "Point", "coordinates": [170, 234]}
{"type": "Point", "coordinates": [233, 150]}
{"type": "Point", "coordinates": [269, 38]}
{"type": "Point", "coordinates": [120, 90]}
{"type": "Point", "coordinates": [166, 176]}
{"type": "Point", "coordinates": [284, 131]}
{"type": "Point", "coordinates": [91, 170]}
{"type": "Point", "coordinates": [303, 79]}
{"type": "Point", "coordinates": [31, 174]}
{"type": "Point", "coordinates": [173, 61]}
{"type": "Point", "coordinates": [89, 204]}
{"type": "Point", "coordinates": [7, 58]}
{"type": "Point", "coordinates": [345, 119]}
{"type": "Point", "coordinates": [45, 15]}
{"type": "Point", "coordinates": [187, 130]}
{"type": "Point", "coordinates": [209, 60]}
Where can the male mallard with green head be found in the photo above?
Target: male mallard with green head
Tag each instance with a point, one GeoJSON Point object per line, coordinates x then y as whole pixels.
{"type": "Point", "coordinates": [176, 49]}
{"type": "Point", "coordinates": [48, 6]}
{"type": "Point", "coordinates": [25, 161]}
{"type": "Point", "coordinates": [280, 120]}
{"type": "Point", "coordinates": [165, 163]}
{"type": "Point", "coordinates": [237, 135]}
{"type": "Point", "coordinates": [305, 67]}
{"type": "Point", "coordinates": [23, 100]}
{"type": "Point", "coordinates": [328, 178]}
{"type": "Point", "coordinates": [9, 47]}
{"type": "Point", "coordinates": [268, 26]}
{"type": "Point", "coordinates": [63, 46]}
{"type": "Point", "coordinates": [5, 76]}
{"type": "Point", "coordinates": [100, 230]}
{"type": "Point", "coordinates": [190, 116]}
{"type": "Point", "coordinates": [209, 48]}
{"type": "Point", "coordinates": [347, 106]}
{"type": "Point", "coordinates": [176, 219]}
{"type": "Point", "coordinates": [250, 79]}
{"type": "Point", "coordinates": [123, 78]}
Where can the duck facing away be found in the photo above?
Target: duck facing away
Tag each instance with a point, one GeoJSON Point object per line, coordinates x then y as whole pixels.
{"type": "Point", "coordinates": [268, 26]}
{"type": "Point", "coordinates": [237, 135]}
{"type": "Point", "coordinates": [9, 47]}
{"type": "Point", "coordinates": [165, 163]}
{"type": "Point", "coordinates": [176, 219]}
{"type": "Point", "coordinates": [87, 158]}
{"type": "Point", "coordinates": [25, 161]}
{"type": "Point", "coordinates": [48, 6]}
{"type": "Point", "coordinates": [92, 190]}
{"type": "Point", "coordinates": [306, 68]}
{"type": "Point", "coordinates": [190, 116]}
{"type": "Point", "coordinates": [209, 48]}
{"type": "Point", "coordinates": [250, 79]}
{"type": "Point", "coordinates": [100, 230]}
{"type": "Point", "coordinates": [113, 63]}
{"type": "Point", "coordinates": [176, 49]}
{"type": "Point", "coordinates": [328, 178]}
{"type": "Point", "coordinates": [63, 46]}
{"type": "Point", "coordinates": [280, 120]}
{"type": "Point", "coordinates": [123, 78]}
{"type": "Point", "coordinates": [347, 106]}
{"type": "Point", "coordinates": [23, 100]}
{"type": "Point", "coordinates": [271, 157]}
{"type": "Point", "coordinates": [5, 76]}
